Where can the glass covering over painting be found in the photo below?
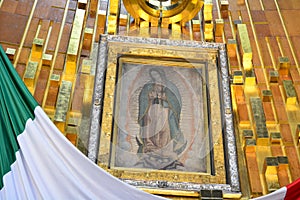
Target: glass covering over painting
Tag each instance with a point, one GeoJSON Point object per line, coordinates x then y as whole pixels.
{"type": "Point", "coordinates": [161, 119]}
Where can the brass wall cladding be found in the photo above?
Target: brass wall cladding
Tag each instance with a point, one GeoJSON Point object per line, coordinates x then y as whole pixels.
{"type": "Point", "coordinates": [29, 30]}
{"type": "Point", "coordinates": [177, 11]}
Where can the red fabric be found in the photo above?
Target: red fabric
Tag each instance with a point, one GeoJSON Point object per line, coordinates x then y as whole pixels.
{"type": "Point", "coordinates": [293, 191]}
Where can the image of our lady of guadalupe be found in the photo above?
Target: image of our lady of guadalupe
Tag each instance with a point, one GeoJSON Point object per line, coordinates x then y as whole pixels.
{"type": "Point", "coordinates": [160, 140]}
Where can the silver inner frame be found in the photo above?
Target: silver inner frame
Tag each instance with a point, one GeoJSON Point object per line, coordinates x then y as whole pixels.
{"type": "Point", "coordinates": [230, 151]}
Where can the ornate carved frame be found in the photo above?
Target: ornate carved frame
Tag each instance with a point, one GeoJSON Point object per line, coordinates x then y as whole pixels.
{"type": "Point", "coordinates": [102, 108]}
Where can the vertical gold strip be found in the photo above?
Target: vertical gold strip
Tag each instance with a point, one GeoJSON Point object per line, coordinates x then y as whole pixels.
{"type": "Point", "coordinates": [95, 26]}
{"type": "Point", "coordinates": [231, 26]}
{"type": "Point", "coordinates": [38, 29]}
{"type": "Point", "coordinates": [128, 24]}
{"type": "Point", "coordinates": [286, 34]}
{"type": "Point", "coordinates": [176, 31]}
{"type": "Point", "coordinates": [144, 29]}
{"type": "Point", "coordinates": [191, 30]}
{"type": "Point", "coordinates": [262, 5]}
{"type": "Point", "coordinates": [113, 16]}
{"type": "Point", "coordinates": [270, 52]}
{"type": "Point", "coordinates": [234, 37]}
{"type": "Point", "coordinates": [220, 17]}
{"type": "Point", "coordinates": [279, 46]}
{"type": "Point", "coordinates": [44, 51]}
{"type": "Point", "coordinates": [254, 34]}
{"type": "Point", "coordinates": [47, 38]}
{"type": "Point", "coordinates": [56, 49]}
{"type": "Point", "coordinates": [257, 45]}
{"type": "Point", "coordinates": [25, 32]}
{"type": "Point", "coordinates": [200, 24]}
{"type": "Point", "coordinates": [218, 9]}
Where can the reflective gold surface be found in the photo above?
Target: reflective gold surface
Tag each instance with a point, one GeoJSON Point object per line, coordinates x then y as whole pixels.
{"type": "Point", "coordinates": [181, 11]}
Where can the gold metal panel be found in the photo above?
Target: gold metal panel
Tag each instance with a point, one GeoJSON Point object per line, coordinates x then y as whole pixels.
{"type": "Point", "coordinates": [100, 23]}
{"type": "Point", "coordinates": [30, 74]}
{"type": "Point", "coordinates": [76, 32]}
{"type": "Point", "coordinates": [71, 66]}
{"type": "Point", "coordinates": [38, 41]}
{"type": "Point", "coordinates": [250, 79]}
{"type": "Point", "coordinates": [284, 65]}
{"type": "Point", "coordinates": [74, 118]}
{"type": "Point", "coordinates": [181, 11]}
{"type": "Point", "coordinates": [54, 80]}
{"type": "Point", "coordinates": [275, 138]}
{"type": "Point", "coordinates": [113, 7]}
{"type": "Point", "coordinates": [62, 104]}
{"type": "Point", "coordinates": [86, 66]}
{"type": "Point", "coordinates": [219, 27]}
{"type": "Point", "coordinates": [289, 92]}
{"type": "Point", "coordinates": [112, 24]}
{"type": "Point", "coordinates": [88, 31]}
{"type": "Point", "coordinates": [47, 59]}
{"type": "Point", "coordinates": [10, 52]}
{"type": "Point", "coordinates": [238, 77]}
{"type": "Point", "coordinates": [224, 5]}
{"type": "Point", "coordinates": [270, 172]}
{"type": "Point", "coordinates": [231, 47]}
{"type": "Point", "coordinates": [196, 25]}
{"type": "Point", "coordinates": [144, 29]}
{"type": "Point", "coordinates": [245, 41]}
{"type": "Point", "coordinates": [207, 11]}
{"type": "Point", "coordinates": [245, 46]}
{"type": "Point", "coordinates": [37, 49]}
{"type": "Point", "coordinates": [273, 76]}
{"type": "Point", "coordinates": [176, 31]}
{"type": "Point", "coordinates": [208, 31]}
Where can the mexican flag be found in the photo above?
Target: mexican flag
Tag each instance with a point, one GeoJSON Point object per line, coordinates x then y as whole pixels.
{"type": "Point", "coordinates": [37, 161]}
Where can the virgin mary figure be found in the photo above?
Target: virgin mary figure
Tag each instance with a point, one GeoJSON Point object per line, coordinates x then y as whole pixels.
{"type": "Point", "coordinates": [160, 139]}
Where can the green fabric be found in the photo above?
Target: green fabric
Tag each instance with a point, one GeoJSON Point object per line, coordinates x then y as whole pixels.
{"type": "Point", "coordinates": [16, 107]}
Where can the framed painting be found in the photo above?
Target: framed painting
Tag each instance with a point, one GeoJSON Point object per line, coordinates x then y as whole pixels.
{"type": "Point", "coordinates": [162, 117]}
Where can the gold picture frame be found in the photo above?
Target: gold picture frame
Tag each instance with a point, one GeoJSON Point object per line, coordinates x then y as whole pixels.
{"type": "Point", "coordinates": [191, 98]}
